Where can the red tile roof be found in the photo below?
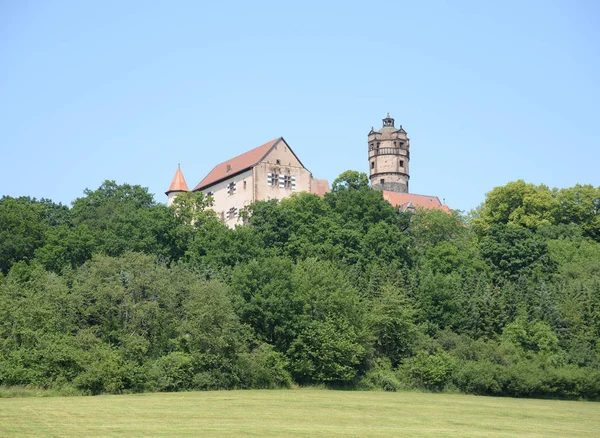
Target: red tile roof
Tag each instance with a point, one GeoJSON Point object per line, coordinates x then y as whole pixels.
{"type": "Point", "coordinates": [402, 200]}
{"type": "Point", "coordinates": [237, 164]}
{"type": "Point", "coordinates": [178, 184]}
{"type": "Point", "coordinates": [319, 186]}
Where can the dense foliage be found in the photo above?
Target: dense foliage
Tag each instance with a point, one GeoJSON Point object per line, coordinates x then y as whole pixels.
{"type": "Point", "coordinates": [120, 293]}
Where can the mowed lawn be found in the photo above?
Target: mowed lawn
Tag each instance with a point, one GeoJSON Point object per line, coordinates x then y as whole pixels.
{"type": "Point", "coordinates": [299, 412]}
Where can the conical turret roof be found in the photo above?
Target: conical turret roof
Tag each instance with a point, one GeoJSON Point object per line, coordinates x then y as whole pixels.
{"type": "Point", "coordinates": [178, 184]}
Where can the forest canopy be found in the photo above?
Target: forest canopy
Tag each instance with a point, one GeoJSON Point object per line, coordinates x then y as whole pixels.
{"type": "Point", "coordinates": [119, 293]}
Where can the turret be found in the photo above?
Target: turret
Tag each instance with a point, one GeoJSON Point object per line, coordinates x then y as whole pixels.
{"type": "Point", "coordinates": [389, 154]}
{"type": "Point", "coordinates": [178, 185]}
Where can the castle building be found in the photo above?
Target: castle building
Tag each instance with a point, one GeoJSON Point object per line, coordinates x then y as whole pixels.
{"type": "Point", "coordinates": [273, 171]}
{"type": "Point", "coordinates": [389, 154]}
{"type": "Point", "coordinates": [270, 171]}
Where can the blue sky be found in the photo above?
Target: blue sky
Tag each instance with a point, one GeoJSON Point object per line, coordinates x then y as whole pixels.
{"type": "Point", "coordinates": [489, 92]}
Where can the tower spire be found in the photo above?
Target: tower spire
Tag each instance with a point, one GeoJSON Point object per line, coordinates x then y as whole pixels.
{"type": "Point", "coordinates": [178, 185]}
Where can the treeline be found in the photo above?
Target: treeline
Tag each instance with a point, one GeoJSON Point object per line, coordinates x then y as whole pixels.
{"type": "Point", "coordinates": [120, 293]}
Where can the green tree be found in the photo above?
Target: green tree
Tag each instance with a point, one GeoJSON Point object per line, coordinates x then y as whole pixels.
{"type": "Point", "coordinates": [517, 203]}
{"type": "Point", "coordinates": [24, 223]}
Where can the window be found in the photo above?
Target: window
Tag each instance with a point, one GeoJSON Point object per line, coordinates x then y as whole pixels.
{"type": "Point", "coordinates": [371, 147]}
{"type": "Point", "coordinates": [394, 144]}
{"type": "Point", "coordinates": [372, 164]}
{"type": "Point", "coordinates": [382, 181]}
{"type": "Point", "coordinates": [285, 181]}
{"type": "Point", "coordinates": [231, 189]}
{"type": "Point", "coordinates": [377, 145]}
{"type": "Point", "coordinates": [277, 161]}
{"type": "Point", "coordinates": [401, 163]}
{"type": "Point", "coordinates": [231, 213]}
{"type": "Point", "coordinates": [244, 185]}
{"type": "Point", "coordinates": [272, 179]}
{"type": "Point", "coordinates": [210, 194]}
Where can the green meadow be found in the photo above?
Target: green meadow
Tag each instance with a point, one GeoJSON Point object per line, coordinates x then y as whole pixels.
{"type": "Point", "coordinates": [301, 412]}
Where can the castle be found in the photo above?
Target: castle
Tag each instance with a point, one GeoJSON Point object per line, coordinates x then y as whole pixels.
{"type": "Point", "coordinates": [273, 171]}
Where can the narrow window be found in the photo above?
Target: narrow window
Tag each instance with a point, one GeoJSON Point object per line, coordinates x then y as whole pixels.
{"type": "Point", "coordinates": [401, 163]}
{"type": "Point", "coordinates": [244, 185]}
{"type": "Point", "coordinates": [382, 181]}
{"type": "Point", "coordinates": [372, 164]}
{"type": "Point", "coordinates": [377, 145]}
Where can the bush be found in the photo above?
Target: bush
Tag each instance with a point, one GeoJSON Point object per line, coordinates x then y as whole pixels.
{"type": "Point", "coordinates": [429, 371]}
{"type": "Point", "coordinates": [480, 378]}
{"type": "Point", "coordinates": [173, 372]}
{"type": "Point", "coordinates": [264, 368]}
{"type": "Point", "coordinates": [380, 376]}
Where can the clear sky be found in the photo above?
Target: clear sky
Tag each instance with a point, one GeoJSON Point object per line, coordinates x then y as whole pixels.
{"type": "Point", "coordinates": [489, 92]}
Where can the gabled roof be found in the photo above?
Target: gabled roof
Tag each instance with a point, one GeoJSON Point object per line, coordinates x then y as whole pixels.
{"type": "Point", "coordinates": [403, 201]}
{"type": "Point", "coordinates": [178, 184]}
{"type": "Point", "coordinates": [238, 164]}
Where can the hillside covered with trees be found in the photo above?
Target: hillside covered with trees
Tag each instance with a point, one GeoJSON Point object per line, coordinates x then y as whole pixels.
{"type": "Point", "coordinates": [119, 293]}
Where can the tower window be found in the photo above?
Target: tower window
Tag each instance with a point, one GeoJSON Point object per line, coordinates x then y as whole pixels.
{"type": "Point", "coordinates": [372, 164]}
{"type": "Point", "coordinates": [377, 145]}
{"type": "Point", "coordinates": [371, 147]}
{"type": "Point", "coordinates": [401, 163]}
{"type": "Point", "coordinates": [382, 181]}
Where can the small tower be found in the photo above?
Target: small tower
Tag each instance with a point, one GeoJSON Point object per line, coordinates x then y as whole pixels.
{"type": "Point", "coordinates": [389, 154]}
{"type": "Point", "coordinates": [178, 185]}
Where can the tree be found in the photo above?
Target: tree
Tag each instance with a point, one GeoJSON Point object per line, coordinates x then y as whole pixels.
{"type": "Point", "coordinates": [191, 207]}
{"type": "Point", "coordinates": [24, 223]}
{"type": "Point", "coordinates": [513, 251]}
{"type": "Point", "coordinates": [517, 203]}
{"type": "Point", "coordinates": [581, 205]}
{"type": "Point", "coordinates": [350, 180]}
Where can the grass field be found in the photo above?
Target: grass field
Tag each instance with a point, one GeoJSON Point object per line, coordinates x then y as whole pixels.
{"type": "Point", "coordinates": [301, 412]}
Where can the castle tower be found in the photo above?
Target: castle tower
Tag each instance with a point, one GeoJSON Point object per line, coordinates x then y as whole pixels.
{"type": "Point", "coordinates": [178, 185]}
{"type": "Point", "coordinates": [389, 154]}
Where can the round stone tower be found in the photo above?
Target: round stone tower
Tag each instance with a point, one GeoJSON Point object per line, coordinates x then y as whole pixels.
{"type": "Point", "coordinates": [389, 154]}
